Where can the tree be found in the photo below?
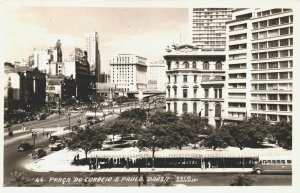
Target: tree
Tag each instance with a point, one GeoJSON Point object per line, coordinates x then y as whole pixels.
{"type": "Point", "coordinates": [180, 135]}
{"type": "Point", "coordinates": [242, 180]}
{"type": "Point", "coordinates": [96, 98]}
{"type": "Point", "coordinates": [86, 139]}
{"type": "Point", "coordinates": [218, 138]}
{"type": "Point", "coordinates": [160, 118]}
{"type": "Point", "coordinates": [249, 133]}
{"type": "Point", "coordinates": [282, 131]}
{"type": "Point", "coordinates": [136, 114]}
{"type": "Point", "coordinates": [120, 100]}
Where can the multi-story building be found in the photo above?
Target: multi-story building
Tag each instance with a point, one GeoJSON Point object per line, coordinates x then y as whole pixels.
{"type": "Point", "coordinates": [128, 72]}
{"type": "Point", "coordinates": [77, 67]}
{"type": "Point", "coordinates": [260, 64]}
{"type": "Point", "coordinates": [195, 81]}
{"type": "Point", "coordinates": [156, 76]}
{"type": "Point", "coordinates": [207, 27]}
{"type": "Point", "coordinates": [93, 54]}
{"type": "Point", "coordinates": [24, 88]}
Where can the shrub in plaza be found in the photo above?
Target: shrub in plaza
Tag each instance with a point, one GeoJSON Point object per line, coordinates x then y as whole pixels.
{"type": "Point", "coordinates": [160, 118]}
{"type": "Point", "coordinates": [242, 180]}
{"type": "Point", "coordinates": [282, 131]}
{"type": "Point", "coordinates": [134, 114]}
{"type": "Point", "coordinates": [19, 179]}
{"type": "Point", "coordinates": [86, 139]}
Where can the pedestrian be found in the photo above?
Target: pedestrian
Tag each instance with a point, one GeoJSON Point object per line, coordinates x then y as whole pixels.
{"type": "Point", "coordinates": [43, 132]}
{"type": "Point", "coordinates": [145, 179]}
{"type": "Point", "coordinates": [47, 134]}
{"type": "Point", "coordinates": [77, 156]}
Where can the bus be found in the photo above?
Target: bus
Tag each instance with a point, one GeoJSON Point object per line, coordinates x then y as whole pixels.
{"type": "Point", "coordinates": [273, 164]}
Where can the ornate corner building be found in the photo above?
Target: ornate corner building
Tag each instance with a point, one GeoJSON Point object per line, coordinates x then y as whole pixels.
{"type": "Point", "coordinates": [195, 82]}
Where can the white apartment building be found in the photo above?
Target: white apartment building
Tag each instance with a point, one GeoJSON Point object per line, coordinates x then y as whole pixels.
{"type": "Point", "coordinates": [207, 27]}
{"type": "Point", "coordinates": [93, 53]}
{"type": "Point", "coordinates": [156, 76]}
{"type": "Point", "coordinates": [42, 59]}
{"type": "Point", "coordinates": [259, 70]}
{"type": "Point", "coordinates": [195, 82]}
{"type": "Point", "coordinates": [128, 72]}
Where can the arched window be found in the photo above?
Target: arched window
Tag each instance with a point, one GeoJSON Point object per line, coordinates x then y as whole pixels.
{"type": "Point", "coordinates": [218, 66]}
{"type": "Point", "coordinates": [194, 65]}
{"type": "Point", "coordinates": [186, 64]}
{"type": "Point", "coordinates": [184, 108]}
{"type": "Point", "coordinates": [175, 107]}
{"type": "Point", "coordinates": [195, 108]}
{"type": "Point", "coordinates": [206, 109]}
{"type": "Point", "coordinates": [205, 65]}
{"type": "Point", "coordinates": [218, 110]}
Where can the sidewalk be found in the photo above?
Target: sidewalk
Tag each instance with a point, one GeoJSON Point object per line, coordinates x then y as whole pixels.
{"type": "Point", "coordinates": [61, 162]}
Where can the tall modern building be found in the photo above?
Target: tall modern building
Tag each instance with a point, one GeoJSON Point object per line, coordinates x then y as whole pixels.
{"type": "Point", "coordinates": [195, 82]}
{"type": "Point", "coordinates": [128, 72]}
{"type": "Point", "coordinates": [259, 69]}
{"type": "Point", "coordinates": [93, 54]}
{"type": "Point", "coordinates": [207, 27]}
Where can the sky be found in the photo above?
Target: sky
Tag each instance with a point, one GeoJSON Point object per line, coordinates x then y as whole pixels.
{"type": "Point", "coordinates": [141, 31]}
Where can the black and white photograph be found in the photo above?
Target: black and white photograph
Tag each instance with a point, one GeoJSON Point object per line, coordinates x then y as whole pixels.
{"type": "Point", "coordinates": [148, 96]}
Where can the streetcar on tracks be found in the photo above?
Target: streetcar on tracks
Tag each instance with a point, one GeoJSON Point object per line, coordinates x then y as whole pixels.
{"type": "Point", "coordinates": [273, 164]}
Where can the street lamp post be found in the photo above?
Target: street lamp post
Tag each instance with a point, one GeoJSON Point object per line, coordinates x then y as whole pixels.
{"type": "Point", "coordinates": [33, 138]}
{"type": "Point", "coordinates": [139, 170]}
{"type": "Point", "coordinates": [69, 114]}
{"type": "Point", "coordinates": [153, 150]}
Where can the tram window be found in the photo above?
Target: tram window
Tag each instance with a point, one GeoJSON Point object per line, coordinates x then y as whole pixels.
{"type": "Point", "coordinates": [278, 161]}
{"type": "Point", "coordinates": [273, 161]}
{"type": "Point", "coordinates": [269, 162]}
{"type": "Point", "coordinates": [264, 162]}
{"type": "Point", "coordinates": [283, 161]}
{"type": "Point", "coordinates": [289, 161]}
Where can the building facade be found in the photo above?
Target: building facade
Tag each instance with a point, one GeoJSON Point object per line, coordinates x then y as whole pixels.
{"type": "Point", "coordinates": [128, 72]}
{"type": "Point", "coordinates": [195, 82]}
{"type": "Point", "coordinates": [24, 88]}
{"type": "Point", "coordinates": [156, 76]}
{"type": "Point", "coordinates": [260, 64]}
{"type": "Point", "coordinates": [93, 54]}
{"type": "Point", "coordinates": [77, 67]}
{"type": "Point", "coordinates": [207, 27]}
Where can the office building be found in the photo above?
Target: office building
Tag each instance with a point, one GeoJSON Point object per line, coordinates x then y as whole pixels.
{"type": "Point", "coordinates": [259, 69]}
{"type": "Point", "coordinates": [156, 76]}
{"type": "Point", "coordinates": [128, 72]}
{"type": "Point", "coordinates": [93, 54]}
{"type": "Point", "coordinates": [207, 27]}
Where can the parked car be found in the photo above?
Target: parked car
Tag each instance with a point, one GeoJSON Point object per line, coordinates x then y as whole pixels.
{"type": "Point", "coordinates": [53, 139]}
{"type": "Point", "coordinates": [24, 146]}
{"type": "Point", "coordinates": [39, 153]}
{"type": "Point", "coordinates": [56, 146]}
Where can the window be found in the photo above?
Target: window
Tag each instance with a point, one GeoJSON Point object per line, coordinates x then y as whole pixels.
{"type": "Point", "coordinates": [273, 22]}
{"type": "Point", "coordinates": [169, 65]}
{"type": "Point", "coordinates": [206, 93]}
{"type": "Point", "coordinates": [263, 24]}
{"type": "Point", "coordinates": [284, 42]}
{"type": "Point", "coordinates": [175, 79]}
{"type": "Point", "coordinates": [220, 93]}
{"type": "Point", "coordinates": [284, 20]}
{"type": "Point", "coordinates": [272, 107]}
{"type": "Point", "coordinates": [186, 65]}
{"type": "Point", "coordinates": [273, 44]}
{"type": "Point", "coordinates": [255, 46]}
{"type": "Point", "coordinates": [219, 66]}
{"type": "Point", "coordinates": [262, 87]}
{"type": "Point", "coordinates": [205, 66]}
{"type": "Point", "coordinates": [168, 79]}
{"type": "Point", "coordinates": [262, 35]}
{"type": "Point", "coordinates": [206, 109]}
{"type": "Point", "coordinates": [177, 64]}
{"type": "Point", "coordinates": [263, 45]}
{"type": "Point", "coordinates": [175, 107]}
{"type": "Point", "coordinates": [205, 77]}
{"type": "Point", "coordinates": [168, 106]}
{"type": "Point", "coordinates": [262, 76]}
{"type": "Point", "coordinates": [262, 66]}
{"type": "Point", "coordinates": [283, 75]}
{"type": "Point", "coordinates": [284, 53]}
{"type": "Point", "coordinates": [184, 78]}
{"type": "Point", "coordinates": [168, 92]}
{"type": "Point", "coordinates": [283, 97]}
{"type": "Point", "coordinates": [284, 31]}
{"type": "Point", "coordinates": [273, 65]}
{"type": "Point", "coordinates": [194, 65]}
{"type": "Point", "coordinates": [255, 25]}
{"type": "Point", "coordinates": [218, 110]}
{"type": "Point", "coordinates": [216, 93]}
{"type": "Point", "coordinates": [273, 97]}
{"type": "Point", "coordinates": [273, 33]}
{"type": "Point", "coordinates": [195, 78]}
{"type": "Point", "coordinates": [283, 107]}
{"type": "Point", "coordinates": [262, 55]}
{"type": "Point", "coordinates": [284, 64]}
{"type": "Point", "coordinates": [184, 108]}
{"type": "Point", "coordinates": [273, 54]}
{"type": "Point", "coordinates": [185, 93]}
{"type": "Point", "coordinates": [273, 76]}
{"type": "Point", "coordinates": [175, 92]}
{"type": "Point", "coordinates": [195, 108]}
